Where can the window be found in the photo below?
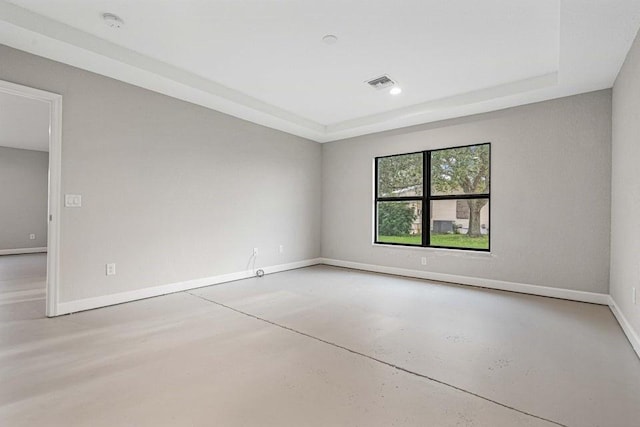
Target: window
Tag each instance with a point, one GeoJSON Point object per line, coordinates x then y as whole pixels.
{"type": "Point", "coordinates": [436, 198]}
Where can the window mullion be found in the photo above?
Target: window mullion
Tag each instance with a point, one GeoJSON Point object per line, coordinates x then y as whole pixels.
{"type": "Point", "coordinates": [426, 194]}
{"type": "Point", "coordinates": [461, 196]}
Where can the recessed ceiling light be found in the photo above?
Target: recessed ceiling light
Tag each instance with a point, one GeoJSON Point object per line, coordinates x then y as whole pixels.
{"type": "Point", "coordinates": [112, 20]}
{"type": "Point", "coordinates": [395, 91]}
{"type": "Point", "coordinates": [330, 39]}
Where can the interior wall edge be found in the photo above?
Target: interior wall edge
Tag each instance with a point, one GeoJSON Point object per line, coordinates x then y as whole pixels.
{"type": "Point", "coordinates": [625, 193]}
{"type": "Point", "coordinates": [523, 288]}
{"type": "Point", "coordinates": [154, 291]}
{"type": "Point", "coordinates": [537, 290]}
{"type": "Point", "coordinates": [632, 334]}
{"type": "Point", "coordinates": [20, 251]}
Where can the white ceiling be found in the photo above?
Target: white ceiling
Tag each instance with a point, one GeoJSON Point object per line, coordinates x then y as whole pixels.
{"type": "Point", "coordinates": [264, 61]}
{"type": "Point", "coordinates": [24, 123]}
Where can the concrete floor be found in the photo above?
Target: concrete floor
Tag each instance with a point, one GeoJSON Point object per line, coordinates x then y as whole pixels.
{"type": "Point", "coordinates": [319, 346]}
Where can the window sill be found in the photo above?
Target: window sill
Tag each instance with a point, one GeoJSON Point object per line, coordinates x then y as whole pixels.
{"type": "Point", "coordinates": [440, 251]}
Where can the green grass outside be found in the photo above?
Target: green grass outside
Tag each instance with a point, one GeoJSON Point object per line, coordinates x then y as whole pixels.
{"type": "Point", "coordinates": [415, 239]}
{"type": "Point", "coordinates": [451, 240]}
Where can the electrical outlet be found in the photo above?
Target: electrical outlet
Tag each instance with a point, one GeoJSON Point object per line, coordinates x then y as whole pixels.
{"type": "Point", "coordinates": [633, 295]}
{"type": "Point", "coordinates": [423, 261]}
{"type": "Point", "coordinates": [32, 236]}
{"type": "Point", "coordinates": [255, 251]}
{"type": "Point", "coordinates": [111, 269]}
{"type": "Point", "coordinates": [73, 200]}
{"type": "Point", "coordinates": [281, 249]}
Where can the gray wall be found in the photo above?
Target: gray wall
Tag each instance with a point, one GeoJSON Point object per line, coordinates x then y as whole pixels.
{"type": "Point", "coordinates": [625, 185]}
{"type": "Point", "coordinates": [550, 215]}
{"type": "Point", "coordinates": [171, 191]}
{"type": "Point", "coordinates": [174, 192]}
{"type": "Point", "coordinates": [23, 198]}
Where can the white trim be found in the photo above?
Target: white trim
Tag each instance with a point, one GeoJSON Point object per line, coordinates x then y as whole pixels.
{"type": "Point", "coordinates": [469, 98]}
{"type": "Point", "coordinates": [55, 164]}
{"type": "Point", "coordinates": [55, 202]}
{"type": "Point", "coordinates": [119, 298]}
{"type": "Point", "coordinates": [631, 334]}
{"type": "Point", "coordinates": [545, 291]}
{"type": "Point", "coordinates": [21, 251]}
{"type": "Point", "coordinates": [31, 32]}
{"type": "Point", "coordinates": [458, 252]}
{"type": "Point", "coordinates": [37, 34]}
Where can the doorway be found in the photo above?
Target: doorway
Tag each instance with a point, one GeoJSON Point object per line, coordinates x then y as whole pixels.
{"type": "Point", "coordinates": [53, 104]}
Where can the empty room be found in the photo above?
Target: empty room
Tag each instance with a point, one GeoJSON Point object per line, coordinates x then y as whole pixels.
{"type": "Point", "coordinates": [329, 213]}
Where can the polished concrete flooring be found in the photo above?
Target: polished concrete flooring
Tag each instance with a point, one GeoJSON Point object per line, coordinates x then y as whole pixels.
{"type": "Point", "coordinates": [319, 346]}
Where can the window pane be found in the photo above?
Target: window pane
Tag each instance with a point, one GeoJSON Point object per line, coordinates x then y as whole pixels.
{"type": "Point", "coordinates": [400, 222]}
{"type": "Point", "coordinates": [400, 176]}
{"type": "Point", "coordinates": [460, 223]}
{"type": "Point", "coordinates": [462, 170]}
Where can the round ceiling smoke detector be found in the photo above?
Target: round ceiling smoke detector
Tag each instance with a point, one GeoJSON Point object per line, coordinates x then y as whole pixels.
{"type": "Point", "coordinates": [330, 39]}
{"type": "Point", "coordinates": [112, 20]}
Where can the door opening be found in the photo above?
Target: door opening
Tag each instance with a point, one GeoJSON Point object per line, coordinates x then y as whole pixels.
{"type": "Point", "coordinates": [27, 166]}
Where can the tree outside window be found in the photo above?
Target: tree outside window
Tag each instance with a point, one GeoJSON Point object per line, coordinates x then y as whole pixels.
{"type": "Point", "coordinates": [450, 201]}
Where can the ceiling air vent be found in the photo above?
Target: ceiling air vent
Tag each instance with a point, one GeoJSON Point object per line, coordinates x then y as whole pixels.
{"type": "Point", "coordinates": [381, 82]}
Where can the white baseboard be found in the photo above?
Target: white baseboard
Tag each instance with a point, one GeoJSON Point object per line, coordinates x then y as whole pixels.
{"type": "Point", "coordinates": [119, 298]}
{"type": "Point", "coordinates": [22, 251]}
{"type": "Point", "coordinates": [568, 294]}
{"type": "Point", "coordinates": [631, 334]}
{"type": "Point", "coordinates": [545, 291]}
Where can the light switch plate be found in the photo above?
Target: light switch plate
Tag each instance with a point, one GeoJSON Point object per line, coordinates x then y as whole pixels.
{"type": "Point", "coordinates": [72, 200]}
{"type": "Point", "coordinates": [110, 269]}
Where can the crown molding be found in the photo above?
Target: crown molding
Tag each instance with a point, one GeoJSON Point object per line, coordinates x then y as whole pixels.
{"type": "Point", "coordinates": [39, 35]}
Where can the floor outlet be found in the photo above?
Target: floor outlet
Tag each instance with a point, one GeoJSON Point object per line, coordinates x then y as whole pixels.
{"type": "Point", "coordinates": [111, 269]}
